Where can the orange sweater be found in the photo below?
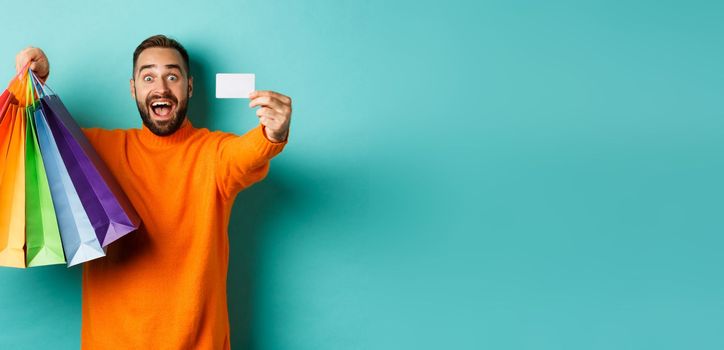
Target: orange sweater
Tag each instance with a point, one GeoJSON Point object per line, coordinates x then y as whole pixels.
{"type": "Point", "coordinates": [164, 286]}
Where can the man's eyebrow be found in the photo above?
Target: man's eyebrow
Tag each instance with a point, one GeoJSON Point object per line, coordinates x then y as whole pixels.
{"type": "Point", "coordinates": [145, 66]}
{"type": "Point", "coordinates": [169, 66]}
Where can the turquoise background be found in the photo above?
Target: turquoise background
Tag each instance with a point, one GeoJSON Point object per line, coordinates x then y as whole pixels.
{"type": "Point", "coordinates": [460, 174]}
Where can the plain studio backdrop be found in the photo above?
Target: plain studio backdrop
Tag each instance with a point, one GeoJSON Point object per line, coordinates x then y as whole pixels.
{"type": "Point", "coordinates": [460, 174]}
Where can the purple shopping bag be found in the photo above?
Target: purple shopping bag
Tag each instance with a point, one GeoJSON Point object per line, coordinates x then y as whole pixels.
{"type": "Point", "coordinates": [107, 207]}
{"type": "Point", "coordinates": [80, 243]}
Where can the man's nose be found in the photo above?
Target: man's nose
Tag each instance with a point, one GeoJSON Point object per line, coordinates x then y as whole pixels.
{"type": "Point", "coordinates": [162, 85]}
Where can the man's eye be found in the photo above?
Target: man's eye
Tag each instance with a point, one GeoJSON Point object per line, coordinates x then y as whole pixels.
{"type": "Point", "coordinates": [172, 78]}
{"type": "Point", "coordinates": [147, 78]}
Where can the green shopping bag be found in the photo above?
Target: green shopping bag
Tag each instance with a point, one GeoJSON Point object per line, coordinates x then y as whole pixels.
{"type": "Point", "coordinates": [42, 237]}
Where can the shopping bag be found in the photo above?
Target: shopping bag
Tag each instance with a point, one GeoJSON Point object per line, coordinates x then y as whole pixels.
{"type": "Point", "coordinates": [108, 208]}
{"type": "Point", "coordinates": [12, 172]}
{"type": "Point", "coordinates": [58, 201]}
{"type": "Point", "coordinates": [42, 236]}
{"type": "Point", "coordinates": [80, 243]}
{"type": "Point", "coordinates": [12, 187]}
{"type": "Point", "coordinates": [4, 102]}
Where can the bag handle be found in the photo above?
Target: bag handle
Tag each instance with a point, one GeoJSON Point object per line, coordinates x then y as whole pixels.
{"type": "Point", "coordinates": [41, 88]}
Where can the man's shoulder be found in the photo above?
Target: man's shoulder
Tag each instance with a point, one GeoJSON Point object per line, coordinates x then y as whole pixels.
{"type": "Point", "coordinates": [101, 131]}
{"type": "Point", "coordinates": [101, 136]}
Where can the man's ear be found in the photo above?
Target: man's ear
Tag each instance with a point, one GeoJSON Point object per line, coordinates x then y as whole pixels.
{"type": "Point", "coordinates": [191, 86]}
{"type": "Point", "coordinates": [133, 91]}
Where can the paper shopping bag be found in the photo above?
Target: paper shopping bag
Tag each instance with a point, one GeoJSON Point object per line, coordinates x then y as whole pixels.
{"type": "Point", "coordinates": [80, 243]}
{"type": "Point", "coordinates": [4, 101]}
{"type": "Point", "coordinates": [12, 187]}
{"type": "Point", "coordinates": [108, 208]}
{"type": "Point", "coordinates": [42, 237]}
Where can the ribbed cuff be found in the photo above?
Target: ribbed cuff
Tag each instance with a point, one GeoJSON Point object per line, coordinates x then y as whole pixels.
{"type": "Point", "coordinates": [265, 146]}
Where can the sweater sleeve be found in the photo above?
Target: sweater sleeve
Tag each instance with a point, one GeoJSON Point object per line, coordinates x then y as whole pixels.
{"type": "Point", "coordinates": [244, 160]}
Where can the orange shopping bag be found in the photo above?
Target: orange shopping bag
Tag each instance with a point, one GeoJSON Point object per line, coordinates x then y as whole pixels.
{"type": "Point", "coordinates": [12, 176]}
{"type": "Point", "coordinates": [12, 190]}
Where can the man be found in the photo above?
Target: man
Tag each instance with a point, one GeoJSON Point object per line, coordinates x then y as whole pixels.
{"type": "Point", "coordinates": [164, 286]}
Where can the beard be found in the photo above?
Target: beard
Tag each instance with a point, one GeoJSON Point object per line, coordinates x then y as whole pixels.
{"type": "Point", "coordinates": [166, 127]}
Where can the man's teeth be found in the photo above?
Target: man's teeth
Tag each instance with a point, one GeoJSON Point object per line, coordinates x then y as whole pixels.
{"type": "Point", "coordinates": [161, 108]}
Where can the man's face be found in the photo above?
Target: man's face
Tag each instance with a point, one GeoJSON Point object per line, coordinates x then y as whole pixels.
{"type": "Point", "coordinates": [161, 88]}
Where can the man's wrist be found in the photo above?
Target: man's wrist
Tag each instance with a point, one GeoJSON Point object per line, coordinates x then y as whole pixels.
{"type": "Point", "coordinates": [274, 137]}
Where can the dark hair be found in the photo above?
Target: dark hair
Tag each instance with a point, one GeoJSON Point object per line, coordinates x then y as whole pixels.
{"type": "Point", "coordinates": [163, 42]}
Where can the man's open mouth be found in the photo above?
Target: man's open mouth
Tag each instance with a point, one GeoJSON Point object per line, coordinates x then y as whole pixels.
{"type": "Point", "coordinates": [162, 109]}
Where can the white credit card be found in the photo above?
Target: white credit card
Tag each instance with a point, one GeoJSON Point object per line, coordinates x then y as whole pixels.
{"type": "Point", "coordinates": [232, 85]}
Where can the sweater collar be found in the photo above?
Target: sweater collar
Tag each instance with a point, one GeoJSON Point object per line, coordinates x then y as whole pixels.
{"type": "Point", "coordinates": [179, 136]}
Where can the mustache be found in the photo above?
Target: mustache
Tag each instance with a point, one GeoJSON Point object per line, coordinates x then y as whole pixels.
{"type": "Point", "coordinates": [168, 96]}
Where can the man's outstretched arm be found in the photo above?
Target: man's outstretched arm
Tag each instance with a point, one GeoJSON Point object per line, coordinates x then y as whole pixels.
{"type": "Point", "coordinates": [244, 160]}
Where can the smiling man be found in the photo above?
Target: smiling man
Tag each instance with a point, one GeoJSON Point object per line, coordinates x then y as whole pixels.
{"type": "Point", "coordinates": [159, 108]}
{"type": "Point", "coordinates": [164, 286]}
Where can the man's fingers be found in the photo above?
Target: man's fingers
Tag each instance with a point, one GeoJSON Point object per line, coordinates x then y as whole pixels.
{"type": "Point", "coordinates": [266, 112]}
{"type": "Point", "coordinates": [271, 102]}
{"type": "Point", "coordinates": [275, 119]}
{"type": "Point", "coordinates": [274, 114]}
{"type": "Point", "coordinates": [276, 124]}
{"type": "Point", "coordinates": [21, 61]}
{"type": "Point", "coordinates": [270, 122]}
{"type": "Point", "coordinates": [283, 98]}
{"type": "Point", "coordinates": [267, 101]}
{"type": "Point", "coordinates": [37, 59]}
{"type": "Point", "coordinates": [266, 121]}
{"type": "Point", "coordinates": [273, 125]}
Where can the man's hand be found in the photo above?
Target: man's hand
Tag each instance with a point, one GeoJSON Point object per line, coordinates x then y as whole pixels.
{"type": "Point", "coordinates": [275, 113]}
{"type": "Point", "coordinates": [39, 62]}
